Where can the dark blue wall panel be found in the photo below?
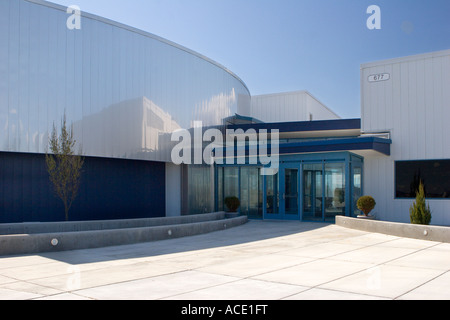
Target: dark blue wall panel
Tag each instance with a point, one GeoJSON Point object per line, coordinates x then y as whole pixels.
{"type": "Point", "coordinates": [110, 189]}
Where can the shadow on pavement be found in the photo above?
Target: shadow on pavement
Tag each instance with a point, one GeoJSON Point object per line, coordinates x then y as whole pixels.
{"type": "Point", "coordinates": [253, 231]}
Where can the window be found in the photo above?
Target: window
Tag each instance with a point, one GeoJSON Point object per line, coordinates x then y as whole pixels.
{"type": "Point", "coordinates": [435, 175]}
{"type": "Point", "coordinates": [199, 189]}
{"type": "Point", "coordinates": [228, 184]}
{"type": "Point", "coordinates": [334, 190]}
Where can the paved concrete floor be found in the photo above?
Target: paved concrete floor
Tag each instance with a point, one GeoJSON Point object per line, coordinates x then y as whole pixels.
{"type": "Point", "coordinates": [257, 261]}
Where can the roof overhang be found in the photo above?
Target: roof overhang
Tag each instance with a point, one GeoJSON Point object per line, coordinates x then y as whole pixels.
{"type": "Point", "coordinates": [362, 146]}
{"type": "Point", "coordinates": [307, 129]}
{"type": "Point", "coordinates": [366, 144]}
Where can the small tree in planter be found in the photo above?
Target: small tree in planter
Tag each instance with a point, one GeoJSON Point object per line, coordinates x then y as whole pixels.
{"type": "Point", "coordinates": [420, 212]}
{"type": "Point", "coordinates": [232, 204]}
{"type": "Point", "coordinates": [64, 166]}
{"type": "Point", "coordinates": [366, 204]}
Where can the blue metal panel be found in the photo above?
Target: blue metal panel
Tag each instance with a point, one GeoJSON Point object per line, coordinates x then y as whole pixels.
{"type": "Point", "coordinates": [110, 189]}
{"type": "Point", "coordinates": [303, 126]}
{"type": "Point", "coordinates": [327, 145]}
{"type": "Point", "coordinates": [369, 143]}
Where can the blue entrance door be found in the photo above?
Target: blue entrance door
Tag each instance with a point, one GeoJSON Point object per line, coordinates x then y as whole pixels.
{"type": "Point", "coordinates": [290, 192]}
{"type": "Point", "coordinates": [283, 193]}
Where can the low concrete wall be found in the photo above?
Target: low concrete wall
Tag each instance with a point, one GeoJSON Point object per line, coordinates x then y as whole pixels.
{"type": "Point", "coordinates": [56, 227]}
{"type": "Point", "coordinates": [431, 233]}
{"type": "Point", "coordinates": [168, 228]}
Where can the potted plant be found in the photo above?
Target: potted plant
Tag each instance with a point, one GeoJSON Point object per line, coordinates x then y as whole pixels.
{"type": "Point", "coordinates": [233, 205]}
{"type": "Point", "coordinates": [366, 204]}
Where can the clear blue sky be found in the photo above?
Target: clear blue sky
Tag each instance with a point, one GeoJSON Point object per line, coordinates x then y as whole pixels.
{"type": "Point", "coordinates": [287, 45]}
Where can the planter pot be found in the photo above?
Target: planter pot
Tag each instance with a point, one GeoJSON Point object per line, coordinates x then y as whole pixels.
{"type": "Point", "coordinates": [366, 217]}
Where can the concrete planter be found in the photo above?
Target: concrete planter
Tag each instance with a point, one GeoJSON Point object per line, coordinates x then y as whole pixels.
{"type": "Point", "coordinates": [405, 230]}
{"type": "Point", "coordinates": [366, 217]}
{"type": "Point", "coordinates": [36, 238]}
{"type": "Point", "coordinates": [231, 215]}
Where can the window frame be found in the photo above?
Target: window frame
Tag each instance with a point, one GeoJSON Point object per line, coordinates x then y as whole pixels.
{"type": "Point", "coordinates": [396, 196]}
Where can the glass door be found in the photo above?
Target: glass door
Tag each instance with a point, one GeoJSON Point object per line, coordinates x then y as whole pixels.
{"type": "Point", "coordinates": [290, 202]}
{"type": "Point", "coordinates": [272, 197]}
{"type": "Point", "coordinates": [313, 192]}
{"type": "Point", "coordinates": [282, 198]}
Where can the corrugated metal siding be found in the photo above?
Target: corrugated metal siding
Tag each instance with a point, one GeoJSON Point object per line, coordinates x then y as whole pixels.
{"type": "Point", "coordinates": [289, 106]}
{"type": "Point", "coordinates": [110, 189]}
{"type": "Point", "coordinates": [415, 106]}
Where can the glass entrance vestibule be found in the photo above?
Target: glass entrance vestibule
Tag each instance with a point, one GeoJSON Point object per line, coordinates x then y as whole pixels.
{"type": "Point", "coordinates": [307, 187]}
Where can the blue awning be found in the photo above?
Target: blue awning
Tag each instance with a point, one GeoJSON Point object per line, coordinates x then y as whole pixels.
{"type": "Point", "coordinates": [380, 145]}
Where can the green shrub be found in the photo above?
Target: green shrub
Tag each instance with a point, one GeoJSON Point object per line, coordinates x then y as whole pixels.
{"type": "Point", "coordinates": [420, 212]}
{"type": "Point", "coordinates": [232, 203]}
{"type": "Point", "coordinates": [366, 204]}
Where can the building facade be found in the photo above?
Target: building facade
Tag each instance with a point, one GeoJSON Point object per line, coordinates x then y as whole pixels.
{"type": "Point", "coordinates": [410, 100]}
{"type": "Point", "coordinates": [124, 91]}
{"type": "Point", "coordinates": [127, 93]}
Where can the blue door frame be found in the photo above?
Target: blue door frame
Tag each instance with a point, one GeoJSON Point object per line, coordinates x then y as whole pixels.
{"type": "Point", "coordinates": [351, 162]}
{"type": "Point", "coordinates": [275, 204]}
{"type": "Point", "coordinates": [288, 195]}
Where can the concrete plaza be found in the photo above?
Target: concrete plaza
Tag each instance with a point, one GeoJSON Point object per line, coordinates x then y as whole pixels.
{"type": "Point", "coordinates": [260, 260]}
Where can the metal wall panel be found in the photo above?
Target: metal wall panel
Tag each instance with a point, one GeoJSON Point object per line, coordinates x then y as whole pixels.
{"type": "Point", "coordinates": [414, 106]}
{"type": "Point", "coordinates": [288, 107]}
{"type": "Point", "coordinates": [4, 80]}
{"type": "Point", "coordinates": [104, 76]}
{"type": "Point", "coordinates": [110, 189]}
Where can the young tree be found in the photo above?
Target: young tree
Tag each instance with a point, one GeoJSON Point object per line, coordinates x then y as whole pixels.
{"type": "Point", "coordinates": [64, 166]}
{"type": "Point", "coordinates": [420, 212]}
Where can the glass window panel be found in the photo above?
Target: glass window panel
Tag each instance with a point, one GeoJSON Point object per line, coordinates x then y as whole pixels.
{"type": "Point", "coordinates": [231, 180]}
{"type": "Point", "coordinates": [312, 192]}
{"type": "Point", "coordinates": [357, 188]}
{"type": "Point", "coordinates": [291, 188]}
{"type": "Point", "coordinates": [334, 190]}
{"type": "Point", "coordinates": [251, 192]}
{"type": "Point", "coordinates": [435, 175]}
{"type": "Point", "coordinates": [220, 196]}
{"type": "Point", "coordinates": [272, 194]}
{"type": "Point", "coordinates": [199, 190]}
{"type": "Point", "coordinates": [230, 183]}
{"type": "Point", "coordinates": [245, 191]}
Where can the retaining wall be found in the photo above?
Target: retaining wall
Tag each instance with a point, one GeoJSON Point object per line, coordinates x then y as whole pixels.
{"type": "Point", "coordinates": [32, 238]}
{"type": "Point", "coordinates": [431, 233]}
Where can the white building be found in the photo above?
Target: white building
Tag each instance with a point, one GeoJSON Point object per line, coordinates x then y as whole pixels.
{"type": "Point", "coordinates": [290, 106]}
{"type": "Point", "coordinates": [126, 92]}
{"type": "Point", "coordinates": [409, 98]}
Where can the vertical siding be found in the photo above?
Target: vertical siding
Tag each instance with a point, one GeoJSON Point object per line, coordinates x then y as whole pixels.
{"type": "Point", "coordinates": [414, 105]}
{"type": "Point", "coordinates": [110, 189]}
{"type": "Point", "coordinates": [288, 107]}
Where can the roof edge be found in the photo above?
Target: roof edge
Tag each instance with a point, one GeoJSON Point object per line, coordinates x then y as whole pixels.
{"type": "Point", "coordinates": [141, 32]}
